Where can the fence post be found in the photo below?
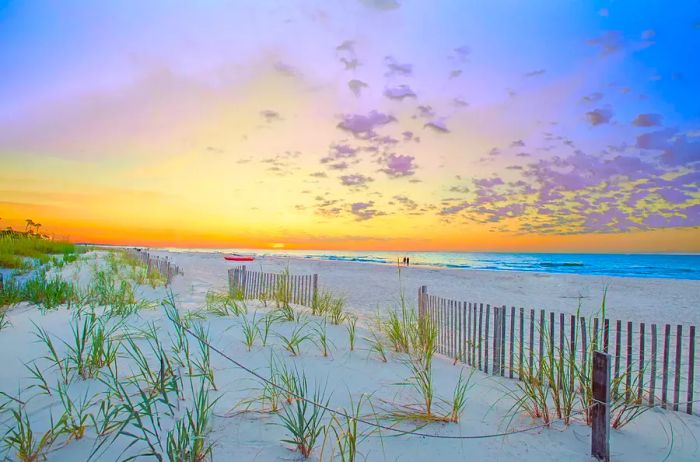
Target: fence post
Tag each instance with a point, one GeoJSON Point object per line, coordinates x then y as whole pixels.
{"type": "Point", "coordinates": [600, 411]}
{"type": "Point", "coordinates": [243, 281]}
{"type": "Point", "coordinates": [314, 300]}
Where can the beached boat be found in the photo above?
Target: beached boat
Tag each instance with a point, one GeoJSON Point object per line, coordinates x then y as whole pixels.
{"type": "Point", "coordinates": [239, 257]}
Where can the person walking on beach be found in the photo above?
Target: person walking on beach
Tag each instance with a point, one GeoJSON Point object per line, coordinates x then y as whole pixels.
{"type": "Point", "coordinates": [408, 261]}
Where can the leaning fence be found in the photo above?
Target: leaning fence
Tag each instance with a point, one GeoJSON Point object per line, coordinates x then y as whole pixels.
{"type": "Point", "coordinates": [301, 289]}
{"type": "Point", "coordinates": [153, 263]}
{"type": "Point", "coordinates": [654, 362]}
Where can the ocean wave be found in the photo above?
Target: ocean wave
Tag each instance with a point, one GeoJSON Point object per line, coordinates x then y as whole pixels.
{"type": "Point", "coordinates": [548, 264]}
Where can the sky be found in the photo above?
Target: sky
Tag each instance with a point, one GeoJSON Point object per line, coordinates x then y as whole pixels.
{"type": "Point", "coordinates": [497, 125]}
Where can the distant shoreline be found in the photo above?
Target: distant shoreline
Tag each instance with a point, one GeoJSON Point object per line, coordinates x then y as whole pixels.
{"type": "Point", "coordinates": [645, 266]}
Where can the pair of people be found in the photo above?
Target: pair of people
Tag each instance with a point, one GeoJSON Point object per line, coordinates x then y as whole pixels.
{"type": "Point", "coordinates": [405, 261]}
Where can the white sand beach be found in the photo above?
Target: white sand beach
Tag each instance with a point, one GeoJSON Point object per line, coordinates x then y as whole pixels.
{"type": "Point", "coordinates": [347, 375]}
{"type": "Point", "coordinates": [369, 287]}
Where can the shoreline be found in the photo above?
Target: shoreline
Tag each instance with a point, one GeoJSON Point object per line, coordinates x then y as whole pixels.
{"type": "Point", "coordinates": [368, 287]}
{"type": "Point", "coordinates": [384, 262]}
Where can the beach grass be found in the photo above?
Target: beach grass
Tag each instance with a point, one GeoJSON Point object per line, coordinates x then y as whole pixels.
{"type": "Point", "coordinates": [17, 250]}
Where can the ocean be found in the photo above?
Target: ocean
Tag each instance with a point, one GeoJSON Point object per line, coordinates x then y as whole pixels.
{"type": "Point", "coordinates": [671, 266]}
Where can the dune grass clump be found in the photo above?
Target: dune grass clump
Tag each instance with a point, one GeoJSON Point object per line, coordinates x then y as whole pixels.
{"type": "Point", "coordinates": [22, 439]}
{"type": "Point", "coordinates": [224, 304]}
{"type": "Point", "coordinates": [187, 441]}
{"type": "Point", "coordinates": [351, 329]}
{"type": "Point", "coordinates": [293, 342]}
{"type": "Point", "coordinates": [302, 419]}
{"type": "Point", "coordinates": [376, 345]}
{"type": "Point", "coordinates": [91, 347]}
{"type": "Point", "coordinates": [347, 431]}
{"type": "Point", "coordinates": [45, 292]}
{"type": "Point", "coordinates": [202, 362]}
{"type": "Point", "coordinates": [322, 340]}
{"type": "Point", "coordinates": [250, 330]}
{"type": "Point", "coordinates": [330, 306]}
{"type": "Point", "coordinates": [76, 416]}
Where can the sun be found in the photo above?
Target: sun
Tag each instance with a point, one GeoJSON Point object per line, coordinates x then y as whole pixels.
{"type": "Point", "coordinates": [277, 245]}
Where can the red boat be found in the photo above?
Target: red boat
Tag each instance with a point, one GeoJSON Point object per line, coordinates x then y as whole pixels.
{"type": "Point", "coordinates": [239, 258]}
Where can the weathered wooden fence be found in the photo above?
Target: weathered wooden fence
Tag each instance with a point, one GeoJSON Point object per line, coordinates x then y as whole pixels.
{"type": "Point", "coordinates": [301, 289]}
{"type": "Point", "coordinates": [162, 265]}
{"type": "Point", "coordinates": [655, 362]}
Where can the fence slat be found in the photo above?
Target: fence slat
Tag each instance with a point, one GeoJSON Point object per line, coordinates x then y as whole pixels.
{"type": "Point", "coordinates": [486, 342]}
{"type": "Point", "coordinates": [522, 341]}
{"type": "Point", "coordinates": [510, 343]}
{"type": "Point", "coordinates": [664, 377]}
{"type": "Point", "coordinates": [616, 367]}
{"type": "Point", "coordinates": [628, 369]}
{"type": "Point", "coordinates": [479, 342]}
{"type": "Point", "coordinates": [652, 374]}
{"type": "Point", "coordinates": [691, 369]}
{"type": "Point", "coordinates": [677, 377]}
{"type": "Point", "coordinates": [640, 373]}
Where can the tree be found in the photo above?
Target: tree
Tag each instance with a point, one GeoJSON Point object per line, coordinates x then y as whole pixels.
{"type": "Point", "coordinates": [30, 224]}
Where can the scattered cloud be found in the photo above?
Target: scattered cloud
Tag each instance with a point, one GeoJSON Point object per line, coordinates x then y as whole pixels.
{"type": "Point", "coordinates": [399, 92]}
{"type": "Point", "coordinates": [534, 73]}
{"type": "Point", "coordinates": [397, 68]}
{"type": "Point", "coordinates": [270, 116]}
{"type": "Point", "coordinates": [356, 180]}
{"type": "Point", "coordinates": [364, 210]}
{"type": "Point", "coordinates": [599, 116]}
{"type": "Point", "coordinates": [608, 42]}
{"type": "Point", "coordinates": [356, 86]}
{"type": "Point", "coordinates": [397, 166]}
{"type": "Point", "coordinates": [362, 126]}
{"type": "Point", "coordinates": [437, 125]}
{"type": "Point", "coordinates": [647, 120]}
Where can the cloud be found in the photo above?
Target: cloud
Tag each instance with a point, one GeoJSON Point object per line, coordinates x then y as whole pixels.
{"type": "Point", "coordinates": [454, 73]}
{"type": "Point", "coordinates": [677, 149]}
{"type": "Point", "coordinates": [599, 116]}
{"type": "Point", "coordinates": [425, 111]}
{"type": "Point", "coordinates": [399, 166]}
{"type": "Point", "coordinates": [347, 45]}
{"type": "Point", "coordinates": [608, 42]}
{"type": "Point", "coordinates": [453, 209]}
{"type": "Point", "coordinates": [270, 116]}
{"type": "Point", "coordinates": [462, 52]}
{"type": "Point", "coordinates": [382, 5]}
{"type": "Point", "coordinates": [362, 126]}
{"type": "Point", "coordinates": [339, 166]}
{"type": "Point", "coordinates": [406, 202]}
{"type": "Point", "coordinates": [593, 97]}
{"type": "Point", "coordinates": [399, 92]}
{"type": "Point", "coordinates": [350, 64]}
{"type": "Point", "coordinates": [437, 125]}
{"type": "Point", "coordinates": [356, 180]}
{"type": "Point", "coordinates": [364, 210]}
{"type": "Point", "coordinates": [339, 151]}
{"type": "Point", "coordinates": [318, 175]}
{"type": "Point", "coordinates": [459, 102]}
{"type": "Point", "coordinates": [535, 73]}
{"type": "Point", "coordinates": [647, 120]}
{"type": "Point", "coordinates": [397, 68]}
{"type": "Point", "coordinates": [356, 86]}
{"type": "Point", "coordinates": [285, 69]}
{"type": "Point", "coordinates": [648, 34]}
